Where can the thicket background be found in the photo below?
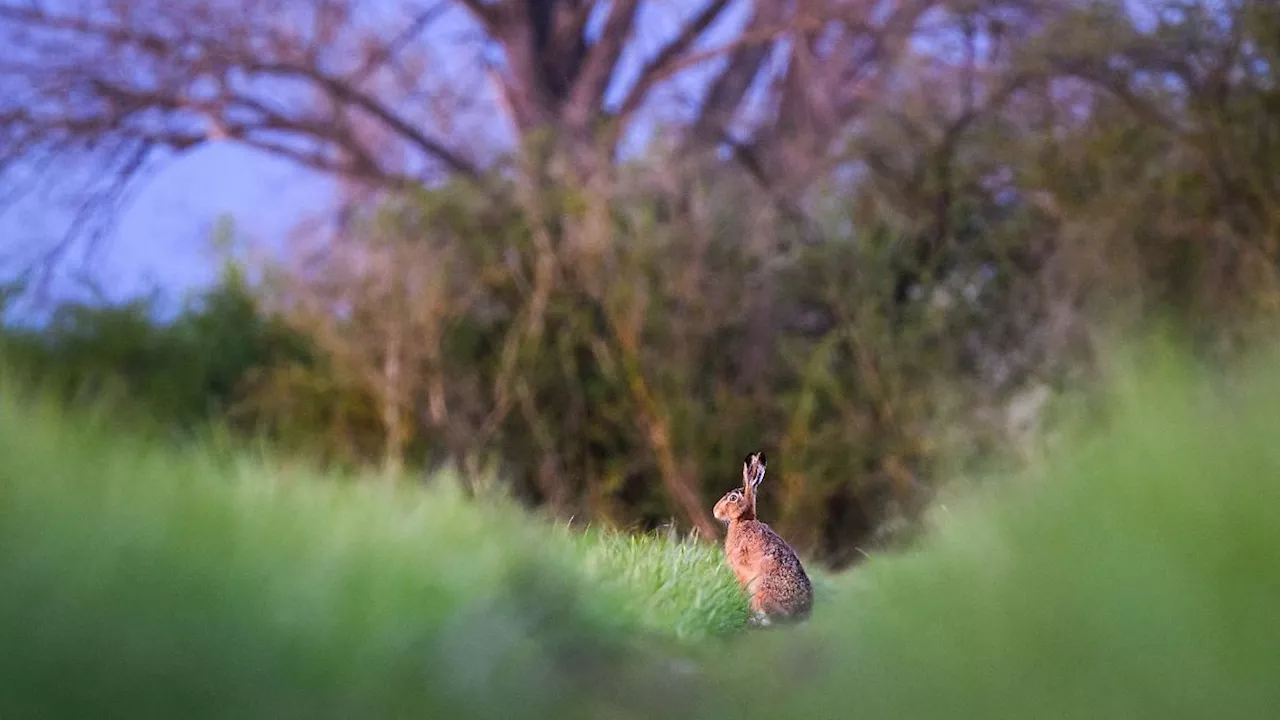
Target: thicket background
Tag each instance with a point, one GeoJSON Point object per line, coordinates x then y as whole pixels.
{"type": "Point", "coordinates": [877, 239]}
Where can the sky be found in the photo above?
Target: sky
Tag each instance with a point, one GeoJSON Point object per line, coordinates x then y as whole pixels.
{"type": "Point", "coordinates": [161, 241]}
{"type": "Point", "coordinates": [163, 237]}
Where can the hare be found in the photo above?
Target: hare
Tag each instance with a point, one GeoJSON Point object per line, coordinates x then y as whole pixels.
{"type": "Point", "coordinates": [765, 565]}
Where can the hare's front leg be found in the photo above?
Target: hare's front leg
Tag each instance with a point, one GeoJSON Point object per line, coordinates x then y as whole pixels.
{"type": "Point", "coordinates": [759, 615]}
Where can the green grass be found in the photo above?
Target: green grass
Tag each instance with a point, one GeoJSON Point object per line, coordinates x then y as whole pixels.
{"type": "Point", "coordinates": [140, 579]}
{"type": "Point", "coordinates": [1137, 576]}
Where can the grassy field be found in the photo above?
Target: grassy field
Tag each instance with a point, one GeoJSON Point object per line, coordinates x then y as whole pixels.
{"type": "Point", "coordinates": [1137, 575]}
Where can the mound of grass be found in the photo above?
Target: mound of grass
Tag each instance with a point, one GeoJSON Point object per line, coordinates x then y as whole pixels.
{"type": "Point", "coordinates": [1137, 576]}
{"type": "Point", "coordinates": [144, 580]}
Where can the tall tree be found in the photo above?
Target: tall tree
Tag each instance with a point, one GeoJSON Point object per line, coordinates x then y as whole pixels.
{"type": "Point", "coordinates": [400, 94]}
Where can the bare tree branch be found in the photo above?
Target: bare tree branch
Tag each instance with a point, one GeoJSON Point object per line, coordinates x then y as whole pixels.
{"type": "Point", "coordinates": [346, 93]}
{"type": "Point", "coordinates": [383, 54]}
{"type": "Point", "coordinates": [486, 14]}
{"type": "Point", "coordinates": [727, 91]}
{"type": "Point", "coordinates": [587, 97]}
{"type": "Point", "coordinates": [665, 63]}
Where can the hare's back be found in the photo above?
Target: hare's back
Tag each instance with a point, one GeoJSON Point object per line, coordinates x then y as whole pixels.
{"type": "Point", "coordinates": [785, 585]}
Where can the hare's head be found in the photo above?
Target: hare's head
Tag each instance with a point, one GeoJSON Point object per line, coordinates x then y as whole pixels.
{"type": "Point", "coordinates": [740, 503]}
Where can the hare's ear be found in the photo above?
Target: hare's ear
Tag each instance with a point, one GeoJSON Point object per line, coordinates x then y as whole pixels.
{"type": "Point", "coordinates": [753, 471]}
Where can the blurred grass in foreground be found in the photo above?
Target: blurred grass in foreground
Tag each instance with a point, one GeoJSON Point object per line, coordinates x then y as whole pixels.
{"type": "Point", "coordinates": [142, 580]}
{"type": "Point", "coordinates": [1138, 575]}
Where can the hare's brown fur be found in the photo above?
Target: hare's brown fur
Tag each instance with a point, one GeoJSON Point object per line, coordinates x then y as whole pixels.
{"type": "Point", "coordinates": [765, 565]}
